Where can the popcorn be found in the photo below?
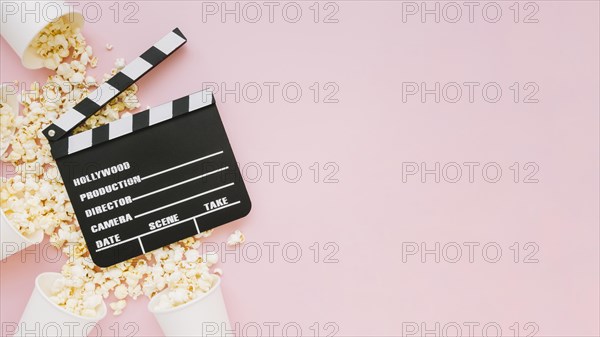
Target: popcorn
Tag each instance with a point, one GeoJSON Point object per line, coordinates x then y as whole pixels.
{"type": "Point", "coordinates": [192, 255]}
{"type": "Point", "coordinates": [109, 46]}
{"type": "Point", "coordinates": [35, 199]}
{"type": "Point", "coordinates": [121, 292]}
{"type": "Point", "coordinates": [186, 278]}
{"type": "Point", "coordinates": [118, 307]}
{"type": "Point", "coordinates": [120, 63]}
{"type": "Point", "coordinates": [7, 124]}
{"type": "Point", "coordinates": [210, 258]}
{"type": "Point", "coordinates": [57, 41]}
{"type": "Point", "coordinates": [77, 78]}
{"type": "Point", "coordinates": [68, 291]}
{"type": "Point", "coordinates": [32, 204]}
{"type": "Point", "coordinates": [236, 238]}
{"type": "Point", "coordinates": [182, 293]}
{"type": "Point", "coordinates": [90, 81]}
{"type": "Point", "coordinates": [65, 70]}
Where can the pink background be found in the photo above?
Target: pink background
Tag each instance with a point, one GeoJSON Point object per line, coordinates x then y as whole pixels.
{"type": "Point", "coordinates": [369, 133]}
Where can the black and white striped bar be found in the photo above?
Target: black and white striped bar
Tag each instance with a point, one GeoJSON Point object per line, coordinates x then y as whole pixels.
{"type": "Point", "coordinates": [127, 125]}
{"type": "Point", "coordinates": [115, 85]}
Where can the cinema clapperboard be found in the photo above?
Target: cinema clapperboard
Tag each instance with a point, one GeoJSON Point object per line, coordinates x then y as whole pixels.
{"type": "Point", "coordinates": [149, 180]}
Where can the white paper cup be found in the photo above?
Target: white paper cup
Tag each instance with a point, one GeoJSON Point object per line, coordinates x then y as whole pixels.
{"type": "Point", "coordinates": [45, 319]}
{"type": "Point", "coordinates": [23, 20]}
{"type": "Point", "coordinates": [8, 96]}
{"type": "Point", "coordinates": [12, 241]}
{"type": "Point", "coordinates": [204, 316]}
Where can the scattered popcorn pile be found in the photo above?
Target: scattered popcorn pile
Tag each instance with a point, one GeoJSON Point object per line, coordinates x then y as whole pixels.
{"type": "Point", "coordinates": [179, 266]}
{"type": "Point", "coordinates": [7, 125]}
{"type": "Point", "coordinates": [75, 292]}
{"type": "Point", "coordinates": [33, 203]}
{"type": "Point", "coordinates": [36, 200]}
{"type": "Point", "coordinates": [38, 183]}
{"type": "Point", "coordinates": [184, 272]}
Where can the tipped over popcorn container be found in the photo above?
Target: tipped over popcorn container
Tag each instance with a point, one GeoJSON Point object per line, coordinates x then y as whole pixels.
{"type": "Point", "coordinates": [12, 241]}
{"type": "Point", "coordinates": [44, 318]}
{"type": "Point", "coordinates": [206, 315]}
{"type": "Point", "coordinates": [22, 21]}
{"type": "Point", "coordinates": [9, 109]}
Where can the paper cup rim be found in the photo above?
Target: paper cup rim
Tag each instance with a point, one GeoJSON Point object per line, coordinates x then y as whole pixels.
{"type": "Point", "coordinates": [38, 288]}
{"type": "Point", "coordinates": [78, 19]}
{"type": "Point", "coordinates": [183, 306]}
{"type": "Point", "coordinates": [31, 240]}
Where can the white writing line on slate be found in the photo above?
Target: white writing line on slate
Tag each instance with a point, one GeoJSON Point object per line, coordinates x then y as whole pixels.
{"type": "Point", "coordinates": [182, 165]}
{"type": "Point", "coordinates": [168, 226]}
{"type": "Point", "coordinates": [142, 245]}
{"type": "Point", "coordinates": [184, 200]}
{"type": "Point", "coordinates": [180, 183]}
{"type": "Point", "coordinates": [196, 223]}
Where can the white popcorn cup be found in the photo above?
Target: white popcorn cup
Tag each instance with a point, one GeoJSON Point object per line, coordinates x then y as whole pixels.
{"type": "Point", "coordinates": [12, 241]}
{"type": "Point", "coordinates": [8, 96]}
{"type": "Point", "coordinates": [23, 20]}
{"type": "Point", "coordinates": [45, 319]}
{"type": "Point", "coordinates": [204, 316]}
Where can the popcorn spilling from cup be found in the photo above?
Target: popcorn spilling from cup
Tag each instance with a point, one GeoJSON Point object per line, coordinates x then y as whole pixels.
{"type": "Point", "coordinates": [38, 182]}
{"type": "Point", "coordinates": [74, 293]}
{"type": "Point", "coordinates": [35, 199]}
{"type": "Point", "coordinates": [34, 203]}
{"type": "Point", "coordinates": [59, 40]}
{"type": "Point", "coordinates": [186, 279]}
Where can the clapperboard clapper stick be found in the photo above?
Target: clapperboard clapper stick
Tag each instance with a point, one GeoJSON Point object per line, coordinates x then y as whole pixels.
{"type": "Point", "coordinates": [149, 180]}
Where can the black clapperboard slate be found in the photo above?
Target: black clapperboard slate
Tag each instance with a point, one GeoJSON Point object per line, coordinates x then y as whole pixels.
{"type": "Point", "coordinates": [152, 179]}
